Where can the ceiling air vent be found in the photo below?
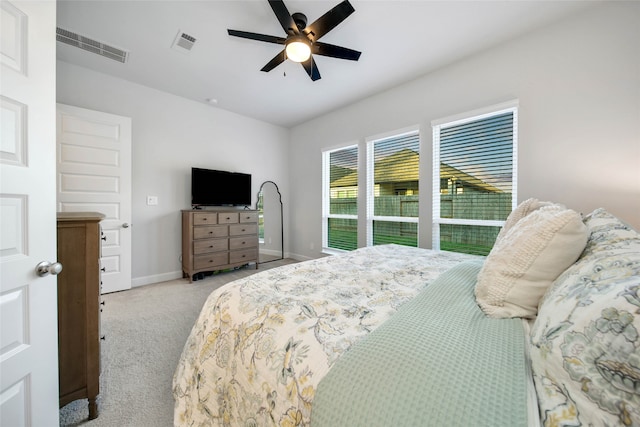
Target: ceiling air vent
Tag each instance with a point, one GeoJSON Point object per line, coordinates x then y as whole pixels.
{"type": "Point", "coordinates": [102, 49]}
{"type": "Point", "coordinates": [183, 42]}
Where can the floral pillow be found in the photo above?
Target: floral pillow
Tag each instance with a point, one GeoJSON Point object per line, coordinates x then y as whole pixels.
{"type": "Point", "coordinates": [585, 342]}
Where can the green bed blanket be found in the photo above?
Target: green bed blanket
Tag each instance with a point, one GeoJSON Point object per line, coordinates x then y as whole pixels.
{"type": "Point", "coordinates": [439, 361]}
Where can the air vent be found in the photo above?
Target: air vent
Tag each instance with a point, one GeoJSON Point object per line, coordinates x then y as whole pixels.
{"type": "Point", "coordinates": [90, 45]}
{"type": "Point", "coordinates": [183, 42]}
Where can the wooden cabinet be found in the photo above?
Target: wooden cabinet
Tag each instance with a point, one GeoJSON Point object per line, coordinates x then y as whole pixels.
{"type": "Point", "coordinates": [78, 308]}
{"type": "Point", "coordinates": [218, 240]}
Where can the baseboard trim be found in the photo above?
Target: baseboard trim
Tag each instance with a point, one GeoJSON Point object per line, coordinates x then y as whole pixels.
{"type": "Point", "coordinates": [155, 278]}
{"type": "Point", "coordinates": [298, 257]}
{"type": "Point", "coordinates": [164, 277]}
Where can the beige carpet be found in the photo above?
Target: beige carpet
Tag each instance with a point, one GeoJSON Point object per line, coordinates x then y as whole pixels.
{"type": "Point", "coordinates": [145, 329]}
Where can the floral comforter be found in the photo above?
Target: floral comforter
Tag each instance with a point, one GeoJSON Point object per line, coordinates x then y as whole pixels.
{"type": "Point", "coordinates": [262, 344]}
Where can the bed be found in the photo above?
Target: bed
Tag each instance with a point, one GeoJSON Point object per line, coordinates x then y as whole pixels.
{"type": "Point", "coordinates": [545, 330]}
{"type": "Point", "coordinates": [262, 344]}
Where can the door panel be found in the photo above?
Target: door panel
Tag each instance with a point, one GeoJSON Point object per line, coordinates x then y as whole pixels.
{"type": "Point", "coordinates": [94, 175]}
{"type": "Point", "coordinates": [28, 309]}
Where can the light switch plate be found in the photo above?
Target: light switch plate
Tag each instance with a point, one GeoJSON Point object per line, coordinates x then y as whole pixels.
{"type": "Point", "coordinates": [152, 200]}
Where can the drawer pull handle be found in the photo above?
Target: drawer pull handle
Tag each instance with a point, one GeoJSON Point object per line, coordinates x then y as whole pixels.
{"type": "Point", "coordinates": [204, 219]}
{"type": "Point", "coordinates": [103, 269]}
{"type": "Point", "coordinates": [103, 338]}
{"type": "Point", "coordinates": [211, 232]}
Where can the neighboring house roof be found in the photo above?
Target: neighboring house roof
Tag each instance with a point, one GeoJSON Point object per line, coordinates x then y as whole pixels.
{"type": "Point", "coordinates": [403, 166]}
{"type": "Point", "coordinates": [447, 171]}
{"type": "Point", "coordinates": [350, 180]}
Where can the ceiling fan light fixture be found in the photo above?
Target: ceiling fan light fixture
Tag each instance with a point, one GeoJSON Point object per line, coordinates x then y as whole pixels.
{"type": "Point", "coordinates": [298, 49]}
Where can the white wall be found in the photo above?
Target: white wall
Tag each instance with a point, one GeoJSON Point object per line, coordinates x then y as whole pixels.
{"type": "Point", "coordinates": [578, 86]}
{"type": "Point", "coordinates": [170, 135]}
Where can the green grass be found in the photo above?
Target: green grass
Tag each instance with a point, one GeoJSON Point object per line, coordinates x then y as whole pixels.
{"type": "Point", "coordinates": [399, 240]}
{"type": "Point", "coordinates": [465, 249]}
{"type": "Point", "coordinates": [348, 240]}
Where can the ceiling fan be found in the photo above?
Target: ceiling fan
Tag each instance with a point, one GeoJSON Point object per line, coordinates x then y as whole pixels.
{"type": "Point", "coordinates": [302, 39]}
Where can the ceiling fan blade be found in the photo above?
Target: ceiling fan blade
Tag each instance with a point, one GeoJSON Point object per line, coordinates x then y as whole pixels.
{"type": "Point", "coordinates": [329, 20]}
{"type": "Point", "coordinates": [334, 51]}
{"type": "Point", "coordinates": [282, 13]}
{"type": "Point", "coordinates": [311, 68]}
{"type": "Point", "coordinates": [256, 36]}
{"type": "Point", "coordinates": [277, 60]}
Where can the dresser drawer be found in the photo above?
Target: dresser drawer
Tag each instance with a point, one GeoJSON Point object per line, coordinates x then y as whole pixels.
{"type": "Point", "coordinates": [247, 255]}
{"type": "Point", "coordinates": [248, 217]}
{"type": "Point", "coordinates": [207, 232]}
{"type": "Point", "coordinates": [242, 229]}
{"type": "Point", "coordinates": [205, 218]}
{"type": "Point", "coordinates": [211, 261]}
{"type": "Point", "coordinates": [210, 245]}
{"type": "Point", "coordinates": [243, 242]}
{"type": "Point", "coordinates": [228, 218]}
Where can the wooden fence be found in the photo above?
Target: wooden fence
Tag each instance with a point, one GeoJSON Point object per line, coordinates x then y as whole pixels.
{"type": "Point", "coordinates": [460, 238]}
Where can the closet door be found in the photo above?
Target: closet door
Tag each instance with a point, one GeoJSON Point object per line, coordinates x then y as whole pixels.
{"type": "Point", "coordinates": [94, 175]}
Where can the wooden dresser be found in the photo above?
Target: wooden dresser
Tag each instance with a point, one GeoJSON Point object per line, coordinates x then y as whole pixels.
{"type": "Point", "coordinates": [217, 240]}
{"type": "Point", "coordinates": [79, 307]}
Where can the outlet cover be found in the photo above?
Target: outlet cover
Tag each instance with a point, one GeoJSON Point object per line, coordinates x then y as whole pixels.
{"type": "Point", "coordinates": [152, 200]}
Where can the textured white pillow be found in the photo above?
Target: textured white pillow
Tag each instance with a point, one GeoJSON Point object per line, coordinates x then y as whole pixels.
{"type": "Point", "coordinates": [522, 210]}
{"type": "Point", "coordinates": [527, 259]}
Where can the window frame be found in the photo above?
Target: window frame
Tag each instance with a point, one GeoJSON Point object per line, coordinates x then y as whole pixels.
{"type": "Point", "coordinates": [463, 118]}
{"type": "Point", "coordinates": [370, 184]}
{"type": "Point", "coordinates": [326, 195]}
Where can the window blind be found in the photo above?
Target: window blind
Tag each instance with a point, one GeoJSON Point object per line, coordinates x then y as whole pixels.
{"type": "Point", "coordinates": [393, 189]}
{"type": "Point", "coordinates": [340, 220]}
{"type": "Point", "coordinates": [474, 169]}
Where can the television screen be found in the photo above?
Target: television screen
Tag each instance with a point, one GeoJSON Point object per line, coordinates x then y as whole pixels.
{"type": "Point", "coordinates": [220, 188]}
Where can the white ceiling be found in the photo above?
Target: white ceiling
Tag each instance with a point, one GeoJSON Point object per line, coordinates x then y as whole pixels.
{"type": "Point", "coordinates": [399, 41]}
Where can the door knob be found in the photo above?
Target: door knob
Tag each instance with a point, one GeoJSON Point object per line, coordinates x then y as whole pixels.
{"type": "Point", "coordinates": [45, 267]}
{"type": "Point", "coordinates": [125, 225]}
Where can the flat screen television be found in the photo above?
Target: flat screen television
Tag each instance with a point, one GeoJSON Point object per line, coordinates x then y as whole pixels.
{"type": "Point", "coordinates": [220, 188]}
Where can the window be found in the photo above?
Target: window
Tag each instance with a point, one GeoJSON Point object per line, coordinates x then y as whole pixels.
{"type": "Point", "coordinates": [474, 179]}
{"type": "Point", "coordinates": [392, 189]}
{"type": "Point", "coordinates": [340, 198]}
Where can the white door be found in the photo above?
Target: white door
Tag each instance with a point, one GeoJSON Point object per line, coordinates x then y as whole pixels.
{"type": "Point", "coordinates": [94, 175]}
{"type": "Point", "coordinates": [28, 309]}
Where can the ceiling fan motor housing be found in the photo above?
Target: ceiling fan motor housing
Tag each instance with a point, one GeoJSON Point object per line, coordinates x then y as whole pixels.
{"type": "Point", "coordinates": [300, 19]}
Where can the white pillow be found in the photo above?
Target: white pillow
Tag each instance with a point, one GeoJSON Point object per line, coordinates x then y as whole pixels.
{"type": "Point", "coordinates": [527, 259]}
{"type": "Point", "coordinates": [522, 210]}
